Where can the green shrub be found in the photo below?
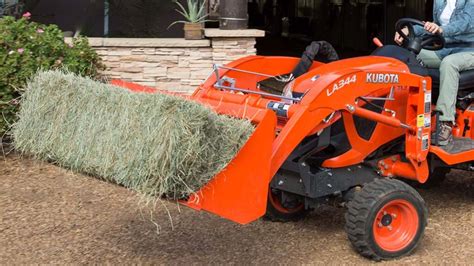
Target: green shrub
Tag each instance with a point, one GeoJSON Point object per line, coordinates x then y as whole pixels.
{"type": "Point", "coordinates": [25, 48]}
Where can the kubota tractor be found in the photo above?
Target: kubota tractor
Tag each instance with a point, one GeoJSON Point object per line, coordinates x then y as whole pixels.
{"type": "Point", "coordinates": [348, 130]}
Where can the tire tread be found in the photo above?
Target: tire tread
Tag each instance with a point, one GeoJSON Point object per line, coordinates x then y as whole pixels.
{"type": "Point", "coordinates": [361, 206]}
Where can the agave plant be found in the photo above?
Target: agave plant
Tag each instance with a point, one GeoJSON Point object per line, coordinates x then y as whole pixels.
{"type": "Point", "coordinates": [194, 13]}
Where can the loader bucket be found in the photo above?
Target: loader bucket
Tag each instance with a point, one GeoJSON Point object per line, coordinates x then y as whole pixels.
{"type": "Point", "coordinates": [239, 192]}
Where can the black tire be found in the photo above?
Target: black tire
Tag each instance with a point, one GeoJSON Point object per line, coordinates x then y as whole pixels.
{"type": "Point", "coordinates": [276, 212]}
{"type": "Point", "coordinates": [370, 204]}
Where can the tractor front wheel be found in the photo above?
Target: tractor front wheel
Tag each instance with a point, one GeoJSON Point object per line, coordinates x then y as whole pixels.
{"type": "Point", "coordinates": [386, 219]}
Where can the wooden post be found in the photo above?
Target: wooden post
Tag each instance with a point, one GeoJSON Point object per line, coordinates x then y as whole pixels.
{"type": "Point", "coordinates": [233, 14]}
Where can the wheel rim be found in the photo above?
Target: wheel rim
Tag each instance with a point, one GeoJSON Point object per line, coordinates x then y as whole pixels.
{"type": "Point", "coordinates": [395, 225]}
{"type": "Point", "coordinates": [274, 200]}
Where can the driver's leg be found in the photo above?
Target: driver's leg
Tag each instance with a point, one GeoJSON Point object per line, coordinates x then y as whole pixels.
{"type": "Point", "coordinates": [448, 89]}
{"type": "Point", "coordinates": [429, 58]}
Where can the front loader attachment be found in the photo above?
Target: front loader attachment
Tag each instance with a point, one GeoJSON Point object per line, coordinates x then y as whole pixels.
{"type": "Point", "coordinates": [238, 193]}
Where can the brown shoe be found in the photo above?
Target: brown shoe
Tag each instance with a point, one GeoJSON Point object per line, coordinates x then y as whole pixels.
{"type": "Point", "coordinates": [445, 135]}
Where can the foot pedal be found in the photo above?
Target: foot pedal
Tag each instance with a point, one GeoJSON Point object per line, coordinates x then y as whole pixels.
{"type": "Point", "coordinates": [459, 145]}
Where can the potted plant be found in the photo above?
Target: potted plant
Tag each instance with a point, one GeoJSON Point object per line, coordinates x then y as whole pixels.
{"type": "Point", "coordinates": [195, 15]}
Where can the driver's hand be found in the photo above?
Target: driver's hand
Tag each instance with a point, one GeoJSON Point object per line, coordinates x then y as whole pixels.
{"type": "Point", "coordinates": [398, 38]}
{"type": "Point", "coordinates": [433, 28]}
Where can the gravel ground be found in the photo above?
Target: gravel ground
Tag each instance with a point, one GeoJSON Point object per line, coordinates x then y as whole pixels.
{"type": "Point", "coordinates": [50, 215]}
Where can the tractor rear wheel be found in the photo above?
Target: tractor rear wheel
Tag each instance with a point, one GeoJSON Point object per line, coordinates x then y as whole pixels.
{"type": "Point", "coordinates": [279, 211]}
{"type": "Point", "coordinates": [437, 176]}
{"type": "Point", "coordinates": [386, 219]}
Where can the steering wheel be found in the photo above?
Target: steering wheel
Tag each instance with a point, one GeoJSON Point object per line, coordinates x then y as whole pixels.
{"type": "Point", "coordinates": [416, 43]}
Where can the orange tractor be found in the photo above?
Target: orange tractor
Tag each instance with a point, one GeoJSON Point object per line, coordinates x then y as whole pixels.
{"type": "Point", "coordinates": [344, 130]}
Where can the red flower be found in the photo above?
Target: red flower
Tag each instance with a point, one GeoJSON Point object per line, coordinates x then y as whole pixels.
{"type": "Point", "coordinates": [27, 15]}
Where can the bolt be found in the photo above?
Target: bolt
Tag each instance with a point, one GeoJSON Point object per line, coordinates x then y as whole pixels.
{"type": "Point", "coordinates": [389, 227]}
{"type": "Point", "coordinates": [379, 224]}
{"type": "Point", "coordinates": [301, 180]}
{"type": "Point", "coordinates": [394, 216]}
{"type": "Point", "coordinates": [329, 174]}
{"type": "Point", "coordinates": [350, 108]}
{"type": "Point", "coordinates": [349, 169]}
{"type": "Point", "coordinates": [303, 164]}
{"type": "Point", "coordinates": [360, 167]}
{"type": "Point", "coordinates": [384, 213]}
{"type": "Point", "coordinates": [329, 185]}
{"type": "Point", "coordinates": [280, 182]}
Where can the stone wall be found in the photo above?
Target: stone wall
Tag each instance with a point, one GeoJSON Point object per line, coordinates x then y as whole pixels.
{"type": "Point", "coordinates": [173, 64]}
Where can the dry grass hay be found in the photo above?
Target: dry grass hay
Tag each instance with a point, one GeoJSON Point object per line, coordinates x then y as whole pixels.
{"type": "Point", "coordinates": [158, 145]}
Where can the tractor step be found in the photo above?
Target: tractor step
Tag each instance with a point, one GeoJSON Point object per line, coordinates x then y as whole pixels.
{"type": "Point", "coordinates": [459, 145]}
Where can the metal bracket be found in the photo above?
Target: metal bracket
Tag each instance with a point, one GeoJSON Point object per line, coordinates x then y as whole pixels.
{"type": "Point", "coordinates": [325, 182]}
{"type": "Point", "coordinates": [257, 93]}
{"type": "Point", "coordinates": [221, 81]}
{"type": "Point", "coordinates": [225, 80]}
{"type": "Point", "coordinates": [278, 78]}
{"type": "Point", "coordinates": [390, 96]}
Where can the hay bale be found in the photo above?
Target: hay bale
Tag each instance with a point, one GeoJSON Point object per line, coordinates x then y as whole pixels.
{"type": "Point", "coordinates": [156, 144]}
